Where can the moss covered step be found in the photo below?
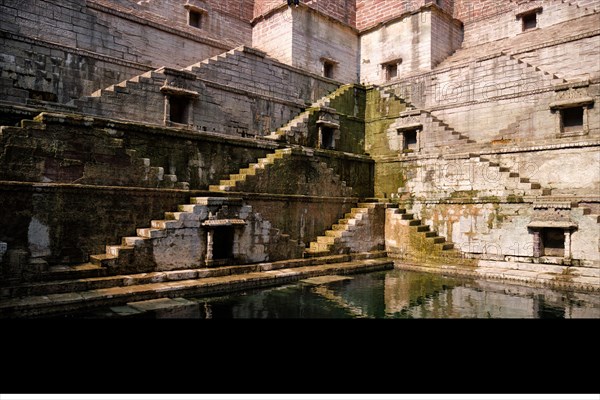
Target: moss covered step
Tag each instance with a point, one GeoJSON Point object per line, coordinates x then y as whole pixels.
{"type": "Point", "coordinates": [423, 232]}
{"type": "Point", "coordinates": [302, 119]}
{"type": "Point", "coordinates": [338, 239]}
{"type": "Point", "coordinates": [227, 185]}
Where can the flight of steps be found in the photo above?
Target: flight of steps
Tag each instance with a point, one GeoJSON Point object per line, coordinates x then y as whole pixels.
{"type": "Point", "coordinates": [300, 122]}
{"type": "Point", "coordinates": [245, 174]}
{"type": "Point", "coordinates": [155, 176]}
{"type": "Point", "coordinates": [136, 251]}
{"type": "Point", "coordinates": [344, 237]}
{"type": "Point", "coordinates": [431, 245]}
{"type": "Point", "coordinates": [555, 79]}
{"type": "Point", "coordinates": [125, 87]}
{"type": "Point", "coordinates": [511, 180]}
{"type": "Point", "coordinates": [149, 250]}
{"type": "Point", "coordinates": [248, 179]}
{"type": "Point", "coordinates": [438, 127]}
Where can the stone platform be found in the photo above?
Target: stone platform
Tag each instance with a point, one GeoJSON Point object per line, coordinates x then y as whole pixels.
{"type": "Point", "coordinates": [64, 297]}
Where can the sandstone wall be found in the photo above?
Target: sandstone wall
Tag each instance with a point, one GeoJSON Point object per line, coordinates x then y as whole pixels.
{"type": "Point", "coordinates": [304, 38]}
{"type": "Point", "coordinates": [341, 10]}
{"type": "Point", "coordinates": [63, 50]}
{"type": "Point", "coordinates": [415, 43]}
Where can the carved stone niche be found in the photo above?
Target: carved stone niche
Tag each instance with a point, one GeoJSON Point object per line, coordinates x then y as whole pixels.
{"type": "Point", "coordinates": [328, 126]}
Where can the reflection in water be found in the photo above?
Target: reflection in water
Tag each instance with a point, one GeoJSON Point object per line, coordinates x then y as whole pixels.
{"type": "Point", "coordinates": [403, 294]}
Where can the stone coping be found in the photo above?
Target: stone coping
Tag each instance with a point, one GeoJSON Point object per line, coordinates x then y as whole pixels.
{"type": "Point", "coordinates": [38, 187]}
{"type": "Point", "coordinates": [505, 272]}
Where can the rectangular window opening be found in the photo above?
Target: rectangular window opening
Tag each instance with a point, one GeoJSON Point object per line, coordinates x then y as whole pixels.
{"type": "Point", "coordinates": [223, 243]}
{"type": "Point", "coordinates": [391, 71]}
{"type": "Point", "coordinates": [327, 138]}
{"type": "Point", "coordinates": [553, 242]}
{"type": "Point", "coordinates": [328, 68]}
{"type": "Point", "coordinates": [571, 119]}
{"type": "Point", "coordinates": [195, 19]}
{"type": "Point", "coordinates": [179, 109]}
{"type": "Point", "coordinates": [410, 140]}
{"type": "Point", "coordinates": [529, 21]}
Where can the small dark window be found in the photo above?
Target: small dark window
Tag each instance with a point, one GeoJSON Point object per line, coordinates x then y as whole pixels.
{"type": "Point", "coordinates": [553, 242]}
{"type": "Point", "coordinates": [391, 71]}
{"type": "Point", "coordinates": [328, 68]}
{"type": "Point", "coordinates": [529, 21]}
{"type": "Point", "coordinates": [223, 243]}
{"type": "Point", "coordinates": [410, 140]}
{"type": "Point", "coordinates": [327, 139]}
{"type": "Point", "coordinates": [179, 109]}
{"type": "Point", "coordinates": [195, 19]}
{"type": "Point", "coordinates": [571, 119]}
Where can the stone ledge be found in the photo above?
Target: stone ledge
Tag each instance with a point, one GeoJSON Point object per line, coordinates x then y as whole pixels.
{"type": "Point", "coordinates": [81, 52]}
{"type": "Point", "coordinates": [507, 275]}
{"type": "Point", "coordinates": [36, 187]}
{"type": "Point", "coordinates": [69, 302]}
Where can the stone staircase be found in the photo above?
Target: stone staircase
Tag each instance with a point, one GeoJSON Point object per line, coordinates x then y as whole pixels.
{"type": "Point", "coordinates": [126, 86]}
{"type": "Point", "coordinates": [347, 235]}
{"type": "Point", "coordinates": [512, 180]}
{"type": "Point", "coordinates": [472, 177]}
{"type": "Point", "coordinates": [244, 174]}
{"type": "Point", "coordinates": [299, 124]}
{"type": "Point", "coordinates": [420, 241]}
{"type": "Point", "coordinates": [555, 79]}
{"type": "Point", "coordinates": [248, 178]}
{"type": "Point", "coordinates": [176, 242]}
{"type": "Point", "coordinates": [431, 124]}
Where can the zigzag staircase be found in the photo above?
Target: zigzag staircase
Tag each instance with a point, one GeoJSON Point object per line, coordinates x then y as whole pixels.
{"type": "Point", "coordinates": [250, 172]}
{"type": "Point", "coordinates": [246, 178]}
{"type": "Point", "coordinates": [300, 122]}
{"type": "Point", "coordinates": [138, 250]}
{"type": "Point", "coordinates": [342, 236]}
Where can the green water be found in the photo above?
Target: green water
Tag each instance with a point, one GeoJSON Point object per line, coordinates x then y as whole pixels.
{"type": "Point", "coordinates": [401, 294]}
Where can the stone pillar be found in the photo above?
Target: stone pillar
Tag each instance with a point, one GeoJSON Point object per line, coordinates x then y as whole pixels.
{"type": "Point", "coordinates": [3, 248]}
{"type": "Point", "coordinates": [167, 116]}
{"type": "Point", "coordinates": [209, 245]}
{"type": "Point", "coordinates": [567, 244]}
{"type": "Point", "coordinates": [537, 243]}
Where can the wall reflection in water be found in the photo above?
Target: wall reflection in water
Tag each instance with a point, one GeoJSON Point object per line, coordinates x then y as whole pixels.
{"type": "Point", "coordinates": [403, 294]}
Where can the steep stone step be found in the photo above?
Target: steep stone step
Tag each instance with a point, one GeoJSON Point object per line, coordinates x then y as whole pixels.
{"type": "Point", "coordinates": [342, 232]}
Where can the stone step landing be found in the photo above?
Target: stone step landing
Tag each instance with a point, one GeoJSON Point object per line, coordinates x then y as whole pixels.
{"type": "Point", "coordinates": [135, 288]}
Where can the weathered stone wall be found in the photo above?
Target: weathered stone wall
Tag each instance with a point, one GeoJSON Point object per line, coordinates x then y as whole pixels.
{"type": "Point", "coordinates": [372, 12]}
{"type": "Point", "coordinates": [341, 10]}
{"type": "Point", "coordinates": [503, 22]}
{"type": "Point", "coordinates": [33, 70]}
{"type": "Point", "coordinates": [68, 223]}
{"type": "Point", "coordinates": [416, 42]}
{"type": "Point", "coordinates": [272, 34]}
{"type": "Point", "coordinates": [305, 38]}
{"type": "Point", "coordinates": [241, 92]}
{"type": "Point", "coordinates": [316, 39]}
{"type": "Point", "coordinates": [63, 50]}
{"type": "Point", "coordinates": [65, 149]}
